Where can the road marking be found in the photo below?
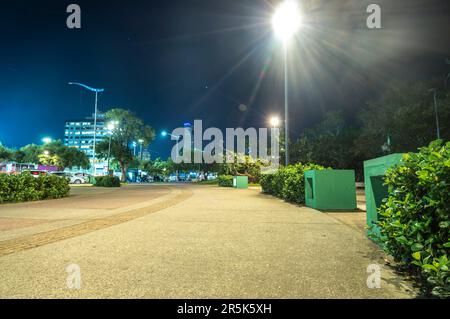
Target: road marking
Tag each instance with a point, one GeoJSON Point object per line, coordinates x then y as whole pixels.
{"type": "Point", "coordinates": [12, 246]}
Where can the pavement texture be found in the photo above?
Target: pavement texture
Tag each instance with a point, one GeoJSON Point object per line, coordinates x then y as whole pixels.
{"type": "Point", "coordinates": [185, 242]}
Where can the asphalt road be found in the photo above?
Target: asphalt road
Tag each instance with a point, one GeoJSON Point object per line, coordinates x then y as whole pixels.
{"type": "Point", "coordinates": [184, 242]}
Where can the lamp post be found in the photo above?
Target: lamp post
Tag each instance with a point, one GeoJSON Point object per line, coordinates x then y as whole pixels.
{"type": "Point", "coordinates": [96, 91]}
{"type": "Point", "coordinates": [438, 130]}
{"type": "Point", "coordinates": [286, 22]}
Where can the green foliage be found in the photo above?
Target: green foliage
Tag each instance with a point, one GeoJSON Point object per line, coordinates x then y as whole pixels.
{"type": "Point", "coordinates": [225, 180]}
{"type": "Point", "coordinates": [54, 153]}
{"type": "Point", "coordinates": [157, 167]}
{"type": "Point", "coordinates": [414, 220]}
{"type": "Point", "coordinates": [28, 154]}
{"type": "Point", "coordinates": [107, 181]}
{"type": "Point", "coordinates": [24, 187]}
{"type": "Point", "coordinates": [288, 183]}
{"type": "Point", "coordinates": [243, 165]}
{"type": "Point", "coordinates": [130, 129]}
{"type": "Point", "coordinates": [71, 157]}
{"type": "Point", "coordinates": [329, 143]}
{"type": "Point", "coordinates": [5, 154]}
{"type": "Point", "coordinates": [120, 153]}
{"type": "Point", "coordinates": [405, 112]}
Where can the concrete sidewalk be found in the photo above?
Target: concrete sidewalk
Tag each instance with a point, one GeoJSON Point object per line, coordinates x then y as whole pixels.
{"type": "Point", "coordinates": [219, 243]}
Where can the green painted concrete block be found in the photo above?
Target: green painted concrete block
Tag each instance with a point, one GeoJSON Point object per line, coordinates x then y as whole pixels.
{"type": "Point", "coordinates": [330, 189]}
{"type": "Point", "coordinates": [376, 192]}
{"type": "Point", "coordinates": [240, 182]}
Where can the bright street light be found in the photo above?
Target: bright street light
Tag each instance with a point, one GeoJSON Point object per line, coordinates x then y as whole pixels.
{"type": "Point", "coordinates": [286, 20]}
{"type": "Point", "coordinates": [275, 121]}
{"type": "Point", "coordinates": [47, 140]}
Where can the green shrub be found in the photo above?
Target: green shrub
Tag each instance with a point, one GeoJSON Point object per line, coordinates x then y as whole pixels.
{"type": "Point", "coordinates": [414, 220]}
{"type": "Point", "coordinates": [107, 181]}
{"type": "Point", "coordinates": [288, 182]}
{"type": "Point", "coordinates": [266, 181]}
{"type": "Point", "coordinates": [25, 187]}
{"type": "Point", "coordinates": [225, 181]}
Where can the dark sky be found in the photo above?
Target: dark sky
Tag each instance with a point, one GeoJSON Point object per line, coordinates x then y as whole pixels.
{"type": "Point", "coordinates": [175, 61]}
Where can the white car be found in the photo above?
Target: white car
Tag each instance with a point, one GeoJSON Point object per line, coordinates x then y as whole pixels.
{"type": "Point", "coordinates": [79, 178]}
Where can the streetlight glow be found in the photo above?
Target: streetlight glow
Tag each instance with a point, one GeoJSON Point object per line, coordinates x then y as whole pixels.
{"type": "Point", "coordinates": [47, 140]}
{"type": "Point", "coordinates": [287, 20]}
{"type": "Point", "coordinates": [275, 121]}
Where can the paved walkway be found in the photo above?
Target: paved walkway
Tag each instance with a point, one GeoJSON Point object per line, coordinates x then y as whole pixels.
{"type": "Point", "coordinates": [187, 242]}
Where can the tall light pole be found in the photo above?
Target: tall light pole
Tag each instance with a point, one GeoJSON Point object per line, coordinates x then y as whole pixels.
{"type": "Point", "coordinates": [286, 22]}
{"type": "Point", "coordinates": [438, 130]}
{"type": "Point", "coordinates": [96, 91]}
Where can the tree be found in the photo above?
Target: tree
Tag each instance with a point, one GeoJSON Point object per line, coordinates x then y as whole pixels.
{"type": "Point", "coordinates": [130, 129]}
{"type": "Point", "coordinates": [28, 154]}
{"type": "Point", "coordinates": [49, 160]}
{"type": "Point", "coordinates": [120, 152]}
{"type": "Point", "coordinates": [5, 154]}
{"type": "Point", "coordinates": [330, 143]}
{"type": "Point", "coordinates": [71, 157]}
{"type": "Point", "coordinates": [405, 115]}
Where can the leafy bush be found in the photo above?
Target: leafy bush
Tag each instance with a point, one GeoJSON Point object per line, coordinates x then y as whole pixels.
{"type": "Point", "coordinates": [288, 182]}
{"type": "Point", "coordinates": [414, 220]}
{"type": "Point", "coordinates": [25, 187]}
{"type": "Point", "coordinates": [107, 181]}
{"type": "Point", "coordinates": [225, 181]}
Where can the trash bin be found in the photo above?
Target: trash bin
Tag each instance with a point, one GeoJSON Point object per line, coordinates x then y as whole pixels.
{"type": "Point", "coordinates": [330, 190]}
{"type": "Point", "coordinates": [376, 191]}
{"type": "Point", "coordinates": [240, 182]}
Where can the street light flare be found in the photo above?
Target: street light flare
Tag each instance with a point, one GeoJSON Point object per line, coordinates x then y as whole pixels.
{"type": "Point", "coordinates": [275, 121]}
{"type": "Point", "coordinates": [286, 20]}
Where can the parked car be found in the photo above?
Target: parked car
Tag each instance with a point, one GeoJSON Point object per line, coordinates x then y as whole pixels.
{"type": "Point", "coordinates": [61, 174]}
{"type": "Point", "coordinates": [79, 178]}
{"type": "Point", "coordinates": [36, 173]}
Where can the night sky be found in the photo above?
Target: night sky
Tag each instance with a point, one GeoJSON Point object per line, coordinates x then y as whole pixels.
{"type": "Point", "coordinates": [217, 60]}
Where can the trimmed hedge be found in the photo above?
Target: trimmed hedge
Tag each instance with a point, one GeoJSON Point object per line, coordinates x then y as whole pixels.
{"type": "Point", "coordinates": [288, 182]}
{"type": "Point", "coordinates": [25, 187]}
{"type": "Point", "coordinates": [225, 180]}
{"type": "Point", "coordinates": [107, 181]}
{"type": "Point", "coordinates": [415, 219]}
